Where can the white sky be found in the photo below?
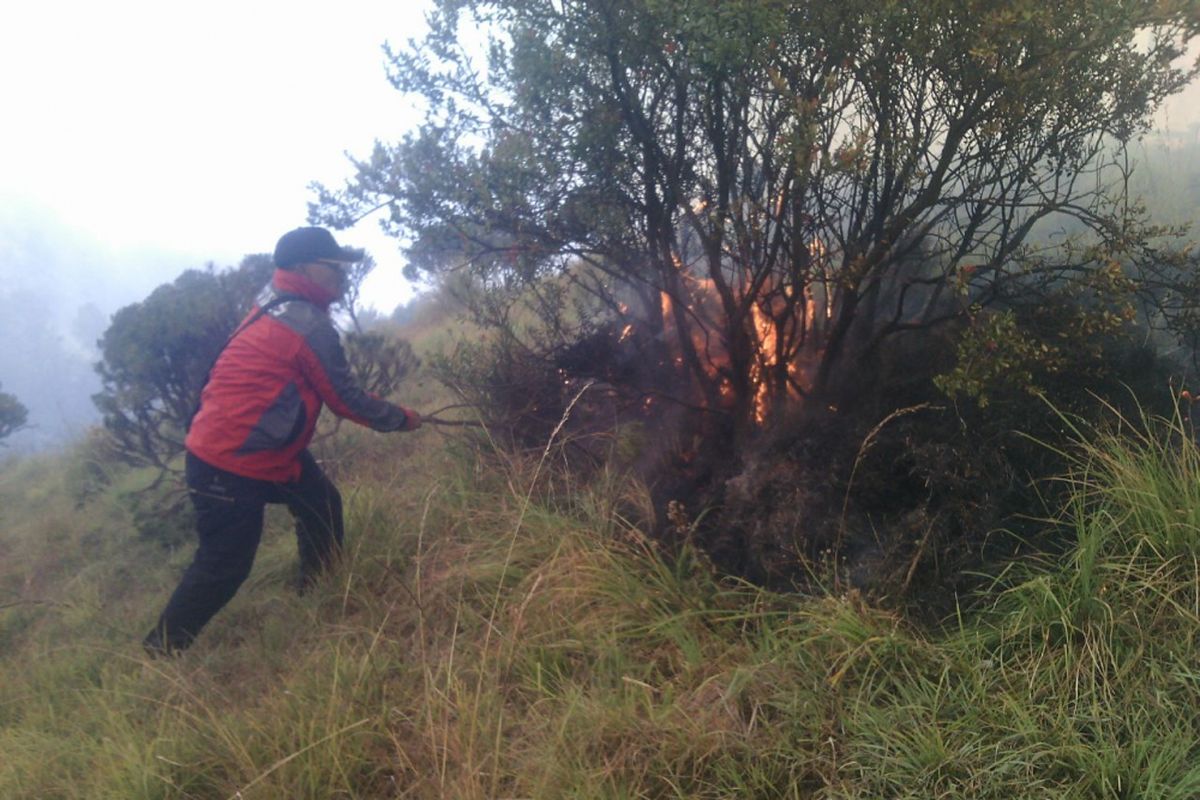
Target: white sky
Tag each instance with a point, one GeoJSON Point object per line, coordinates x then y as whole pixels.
{"type": "Point", "coordinates": [163, 135]}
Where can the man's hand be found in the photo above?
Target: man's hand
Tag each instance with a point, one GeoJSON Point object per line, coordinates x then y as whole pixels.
{"type": "Point", "coordinates": [412, 419]}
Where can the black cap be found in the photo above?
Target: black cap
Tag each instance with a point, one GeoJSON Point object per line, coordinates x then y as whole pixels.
{"type": "Point", "coordinates": [304, 245]}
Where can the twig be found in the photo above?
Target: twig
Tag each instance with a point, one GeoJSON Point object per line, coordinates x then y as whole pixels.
{"type": "Point", "coordinates": [916, 559]}
{"type": "Point", "coordinates": [47, 603]}
{"type": "Point", "coordinates": [527, 500]}
{"type": "Point", "coordinates": [460, 423]}
{"type": "Point", "coordinates": [452, 407]}
{"type": "Point", "coordinates": [866, 445]}
{"type": "Point", "coordinates": [299, 752]}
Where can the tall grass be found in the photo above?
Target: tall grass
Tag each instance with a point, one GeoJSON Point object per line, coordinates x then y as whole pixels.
{"type": "Point", "coordinates": [486, 639]}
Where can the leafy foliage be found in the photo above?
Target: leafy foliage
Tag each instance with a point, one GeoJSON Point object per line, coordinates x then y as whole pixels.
{"type": "Point", "coordinates": [12, 415]}
{"type": "Point", "coordinates": [1017, 349]}
{"type": "Point", "coordinates": [379, 362]}
{"type": "Point", "coordinates": [789, 183]}
{"type": "Point", "coordinates": [355, 275]}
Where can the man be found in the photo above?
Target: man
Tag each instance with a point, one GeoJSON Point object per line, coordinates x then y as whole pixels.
{"type": "Point", "coordinates": [247, 445]}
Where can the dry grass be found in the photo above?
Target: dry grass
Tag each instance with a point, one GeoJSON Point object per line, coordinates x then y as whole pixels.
{"type": "Point", "coordinates": [486, 639]}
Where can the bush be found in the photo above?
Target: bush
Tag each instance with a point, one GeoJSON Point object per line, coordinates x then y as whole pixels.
{"type": "Point", "coordinates": [379, 362]}
{"type": "Point", "coordinates": [12, 415]}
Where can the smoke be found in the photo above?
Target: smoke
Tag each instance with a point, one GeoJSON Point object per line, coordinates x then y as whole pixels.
{"type": "Point", "coordinates": [58, 290]}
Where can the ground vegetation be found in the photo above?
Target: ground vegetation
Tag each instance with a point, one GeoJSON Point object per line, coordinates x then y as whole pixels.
{"type": "Point", "coordinates": [486, 637]}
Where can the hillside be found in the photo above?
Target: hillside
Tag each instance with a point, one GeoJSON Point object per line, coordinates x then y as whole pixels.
{"type": "Point", "coordinates": [497, 630]}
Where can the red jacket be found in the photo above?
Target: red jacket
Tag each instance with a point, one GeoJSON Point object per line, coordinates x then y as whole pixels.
{"type": "Point", "coordinates": [260, 406]}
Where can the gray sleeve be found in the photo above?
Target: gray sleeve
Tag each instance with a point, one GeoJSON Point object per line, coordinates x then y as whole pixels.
{"type": "Point", "coordinates": [323, 363]}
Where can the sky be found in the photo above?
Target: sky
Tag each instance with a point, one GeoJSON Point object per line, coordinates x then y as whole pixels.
{"type": "Point", "coordinates": [143, 138]}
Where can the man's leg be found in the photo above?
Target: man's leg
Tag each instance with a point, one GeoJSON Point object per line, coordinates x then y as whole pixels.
{"type": "Point", "coordinates": [229, 522]}
{"type": "Point", "coordinates": [316, 506]}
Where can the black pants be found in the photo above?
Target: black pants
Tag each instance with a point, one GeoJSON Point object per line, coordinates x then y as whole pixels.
{"type": "Point", "coordinates": [229, 524]}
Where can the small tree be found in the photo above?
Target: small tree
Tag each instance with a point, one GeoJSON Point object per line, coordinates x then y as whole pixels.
{"type": "Point", "coordinates": [12, 415]}
{"type": "Point", "coordinates": [787, 185]}
{"type": "Point", "coordinates": [354, 279]}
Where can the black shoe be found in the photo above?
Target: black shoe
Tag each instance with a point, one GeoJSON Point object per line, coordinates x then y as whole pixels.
{"type": "Point", "coordinates": [155, 647]}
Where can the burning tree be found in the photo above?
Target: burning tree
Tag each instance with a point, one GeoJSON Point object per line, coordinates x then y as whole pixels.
{"type": "Point", "coordinates": [767, 191]}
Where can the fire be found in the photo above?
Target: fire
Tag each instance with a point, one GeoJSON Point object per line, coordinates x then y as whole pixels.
{"type": "Point", "coordinates": [782, 326]}
{"type": "Point", "coordinates": [766, 358]}
{"type": "Point", "coordinates": [764, 330]}
{"type": "Point", "coordinates": [703, 312]}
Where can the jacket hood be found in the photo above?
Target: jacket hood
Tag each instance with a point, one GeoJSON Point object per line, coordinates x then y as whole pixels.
{"type": "Point", "coordinates": [289, 282]}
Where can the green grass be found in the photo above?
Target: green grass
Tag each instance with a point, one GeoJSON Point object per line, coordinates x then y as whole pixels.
{"type": "Point", "coordinates": [488, 638]}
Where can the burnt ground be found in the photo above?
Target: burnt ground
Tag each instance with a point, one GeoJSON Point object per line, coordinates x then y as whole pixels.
{"type": "Point", "coordinates": [897, 492]}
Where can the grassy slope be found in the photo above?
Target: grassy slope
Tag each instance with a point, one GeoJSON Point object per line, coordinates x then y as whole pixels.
{"type": "Point", "coordinates": [483, 641]}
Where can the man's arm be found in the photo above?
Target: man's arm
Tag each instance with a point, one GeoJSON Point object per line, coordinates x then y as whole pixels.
{"type": "Point", "coordinates": [323, 363]}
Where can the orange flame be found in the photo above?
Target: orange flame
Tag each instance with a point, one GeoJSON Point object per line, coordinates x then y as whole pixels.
{"type": "Point", "coordinates": [775, 333]}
